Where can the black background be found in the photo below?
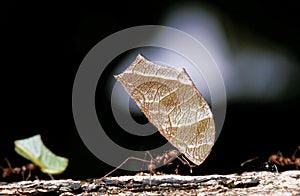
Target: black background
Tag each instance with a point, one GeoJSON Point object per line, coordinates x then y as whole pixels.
{"type": "Point", "coordinates": [43, 45]}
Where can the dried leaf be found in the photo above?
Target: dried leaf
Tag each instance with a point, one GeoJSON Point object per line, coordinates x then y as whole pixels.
{"type": "Point", "coordinates": [34, 150]}
{"type": "Point", "coordinates": [170, 101]}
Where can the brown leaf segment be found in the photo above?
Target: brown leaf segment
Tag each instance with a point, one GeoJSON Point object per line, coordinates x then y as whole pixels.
{"type": "Point", "coordinates": [172, 103]}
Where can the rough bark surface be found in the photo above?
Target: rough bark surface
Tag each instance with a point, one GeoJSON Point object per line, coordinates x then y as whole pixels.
{"type": "Point", "coordinates": [249, 183]}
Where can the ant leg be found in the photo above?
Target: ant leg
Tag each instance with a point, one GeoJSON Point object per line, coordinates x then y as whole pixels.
{"type": "Point", "coordinates": [185, 161]}
{"type": "Point", "coordinates": [8, 163]}
{"type": "Point", "coordinates": [295, 159]}
{"type": "Point", "coordinates": [52, 178]}
{"type": "Point", "coordinates": [175, 154]}
{"type": "Point", "coordinates": [129, 158]}
{"type": "Point", "coordinates": [176, 170]}
{"type": "Point", "coordinates": [29, 174]}
{"type": "Point", "coordinates": [6, 171]}
{"type": "Point", "coordinates": [23, 170]}
{"type": "Point", "coordinates": [145, 155]}
{"type": "Point", "coordinates": [294, 154]}
{"type": "Point", "coordinates": [151, 158]}
{"type": "Point", "coordinates": [151, 167]}
{"type": "Point", "coordinates": [147, 152]}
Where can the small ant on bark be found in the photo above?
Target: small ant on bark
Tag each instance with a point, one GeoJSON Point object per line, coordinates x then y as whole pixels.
{"type": "Point", "coordinates": [166, 159]}
{"type": "Point", "coordinates": [274, 161]}
{"type": "Point", "coordinates": [7, 171]}
{"type": "Point", "coordinates": [282, 161]}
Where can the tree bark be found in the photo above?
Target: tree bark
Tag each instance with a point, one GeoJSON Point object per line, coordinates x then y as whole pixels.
{"type": "Point", "coordinates": [248, 183]}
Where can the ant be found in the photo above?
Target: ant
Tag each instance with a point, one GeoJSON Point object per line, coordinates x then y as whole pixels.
{"type": "Point", "coordinates": [273, 161]}
{"type": "Point", "coordinates": [282, 161]}
{"type": "Point", "coordinates": [166, 159]}
{"type": "Point", "coordinates": [7, 171]}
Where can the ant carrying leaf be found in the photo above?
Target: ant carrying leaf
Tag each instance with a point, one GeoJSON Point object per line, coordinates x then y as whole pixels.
{"type": "Point", "coordinates": [171, 102]}
{"type": "Point", "coordinates": [33, 149]}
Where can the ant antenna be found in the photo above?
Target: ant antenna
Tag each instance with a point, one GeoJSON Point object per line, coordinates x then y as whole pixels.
{"type": "Point", "coordinates": [129, 158]}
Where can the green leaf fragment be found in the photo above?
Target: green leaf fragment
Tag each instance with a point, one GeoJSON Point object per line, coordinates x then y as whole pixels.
{"type": "Point", "coordinates": [33, 149]}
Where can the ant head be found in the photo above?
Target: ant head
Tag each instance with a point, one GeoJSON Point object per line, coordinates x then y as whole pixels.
{"type": "Point", "coordinates": [173, 153]}
{"type": "Point", "coordinates": [31, 166]}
